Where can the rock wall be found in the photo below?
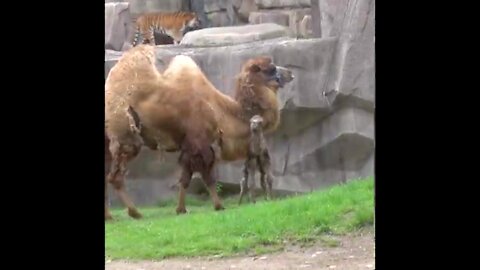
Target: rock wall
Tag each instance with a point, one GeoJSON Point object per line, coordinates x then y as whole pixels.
{"type": "Point", "coordinates": [327, 131]}
{"type": "Point", "coordinates": [118, 26]}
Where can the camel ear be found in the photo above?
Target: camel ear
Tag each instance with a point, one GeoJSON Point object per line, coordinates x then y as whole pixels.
{"type": "Point", "coordinates": [254, 68]}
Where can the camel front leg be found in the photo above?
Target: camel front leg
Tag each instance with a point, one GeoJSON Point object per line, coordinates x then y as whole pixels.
{"type": "Point", "coordinates": [108, 215]}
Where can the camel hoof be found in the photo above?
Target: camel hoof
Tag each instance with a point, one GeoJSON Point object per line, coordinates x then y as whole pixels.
{"type": "Point", "coordinates": [219, 207]}
{"type": "Point", "coordinates": [181, 211]}
{"type": "Point", "coordinates": [134, 214]}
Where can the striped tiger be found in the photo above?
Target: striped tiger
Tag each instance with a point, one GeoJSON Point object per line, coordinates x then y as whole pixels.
{"type": "Point", "coordinates": [174, 24]}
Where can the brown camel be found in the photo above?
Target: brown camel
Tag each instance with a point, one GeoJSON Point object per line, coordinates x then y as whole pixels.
{"type": "Point", "coordinates": [181, 110]}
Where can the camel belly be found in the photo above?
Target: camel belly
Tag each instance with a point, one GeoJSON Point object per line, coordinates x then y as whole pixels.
{"type": "Point", "coordinates": [233, 150]}
{"type": "Point", "coordinates": [163, 140]}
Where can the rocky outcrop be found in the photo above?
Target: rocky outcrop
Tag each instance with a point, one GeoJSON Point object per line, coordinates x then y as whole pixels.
{"type": "Point", "coordinates": [138, 7]}
{"type": "Point", "coordinates": [233, 35]}
{"type": "Point", "coordinates": [118, 26]}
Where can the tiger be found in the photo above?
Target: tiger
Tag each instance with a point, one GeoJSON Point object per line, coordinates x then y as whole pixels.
{"type": "Point", "coordinates": [174, 24]}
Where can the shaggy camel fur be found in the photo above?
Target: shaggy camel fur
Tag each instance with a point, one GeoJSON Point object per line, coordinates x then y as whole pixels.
{"type": "Point", "coordinates": [258, 157]}
{"type": "Point", "coordinates": [181, 110]}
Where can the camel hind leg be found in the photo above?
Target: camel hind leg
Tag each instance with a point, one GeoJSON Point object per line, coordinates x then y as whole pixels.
{"type": "Point", "coordinates": [184, 182]}
{"type": "Point", "coordinates": [108, 162]}
{"type": "Point", "coordinates": [116, 177]}
{"type": "Point", "coordinates": [210, 182]}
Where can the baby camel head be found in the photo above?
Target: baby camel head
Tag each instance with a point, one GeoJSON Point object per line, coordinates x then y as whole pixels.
{"type": "Point", "coordinates": [256, 124]}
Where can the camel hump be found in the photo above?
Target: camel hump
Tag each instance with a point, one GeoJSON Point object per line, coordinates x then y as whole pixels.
{"type": "Point", "coordinates": [180, 62]}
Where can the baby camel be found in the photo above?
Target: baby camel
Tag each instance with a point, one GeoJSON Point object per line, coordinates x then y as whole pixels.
{"type": "Point", "coordinates": [258, 155]}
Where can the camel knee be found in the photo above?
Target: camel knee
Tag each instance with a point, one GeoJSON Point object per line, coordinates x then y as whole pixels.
{"type": "Point", "coordinates": [270, 180]}
{"type": "Point", "coordinates": [243, 182]}
{"type": "Point", "coordinates": [185, 179]}
{"type": "Point", "coordinates": [208, 178]}
{"type": "Point", "coordinates": [185, 183]}
{"type": "Point", "coordinates": [117, 183]}
{"type": "Point", "coordinates": [263, 181]}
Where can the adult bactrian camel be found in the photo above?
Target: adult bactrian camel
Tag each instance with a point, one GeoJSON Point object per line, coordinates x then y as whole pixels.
{"type": "Point", "coordinates": [181, 110]}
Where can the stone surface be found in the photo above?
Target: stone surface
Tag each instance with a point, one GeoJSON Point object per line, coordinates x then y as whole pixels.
{"type": "Point", "coordinates": [141, 6]}
{"type": "Point", "coordinates": [118, 26]}
{"type": "Point", "coordinates": [305, 27]}
{"type": "Point", "coordinates": [321, 140]}
{"type": "Point", "coordinates": [222, 36]}
{"type": "Point", "coordinates": [316, 20]}
{"type": "Point", "coordinates": [354, 62]}
{"type": "Point", "coordinates": [137, 7]}
{"type": "Point", "coordinates": [220, 5]}
{"type": "Point", "coordinates": [222, 12]}
{"type": "Point", "coordinates": [163, 5]}
{"type": "Point", "coordinates": [268, 17]}
{"type": "Point", "coordinates": [295, 16]}
{"type": "Point", "coordinates": [282, 3]}
{"type": "Point", "coordinates": [218, 19]}
{"type": "Point", "coordinates": [332, 15]}
{"type": "Point", "coordinates": [246, 7]}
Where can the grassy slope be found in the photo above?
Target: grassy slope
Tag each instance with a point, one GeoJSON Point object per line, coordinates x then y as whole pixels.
{"type": "Point", "coordinates": [249, 228]}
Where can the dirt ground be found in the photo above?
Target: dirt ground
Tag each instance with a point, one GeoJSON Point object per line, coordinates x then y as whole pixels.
{"type": "Point", "coordinates": [351, 252]}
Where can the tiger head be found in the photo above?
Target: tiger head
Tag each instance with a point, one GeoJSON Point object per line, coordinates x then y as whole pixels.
{"type": "Point", "coordinates": [192, 23]}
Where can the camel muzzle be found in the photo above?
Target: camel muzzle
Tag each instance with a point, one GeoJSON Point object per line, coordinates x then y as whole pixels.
{"type": "Point", "coordinates": [283, 76]}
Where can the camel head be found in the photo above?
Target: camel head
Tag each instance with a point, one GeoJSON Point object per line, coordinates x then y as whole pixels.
{"type": "Point", "coordinates": [262, 70]}
{"type": "Point", "coordinates": [256, 123]}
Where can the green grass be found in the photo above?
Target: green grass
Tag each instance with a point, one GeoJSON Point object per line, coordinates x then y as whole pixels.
{"type": "Point", "coordinates": [259, 228]}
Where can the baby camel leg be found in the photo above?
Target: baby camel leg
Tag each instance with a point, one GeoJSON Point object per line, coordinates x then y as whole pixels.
{"type": "Point", "coordinates": [266, 177]}
{"type": "Point", "coordinates": [243, 182]}
{"type": "Point", "coordinates": [251, 184]}
{"type": "Point", "coordinates": [269, 184]}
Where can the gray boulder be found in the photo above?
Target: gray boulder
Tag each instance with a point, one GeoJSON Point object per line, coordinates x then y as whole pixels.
{"type": "Point", "coordinates": [282, 3]}
{"type": "Point", "coordinates": [232, 35]}
{"type": "Point", "coordinates": [118, 26]}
